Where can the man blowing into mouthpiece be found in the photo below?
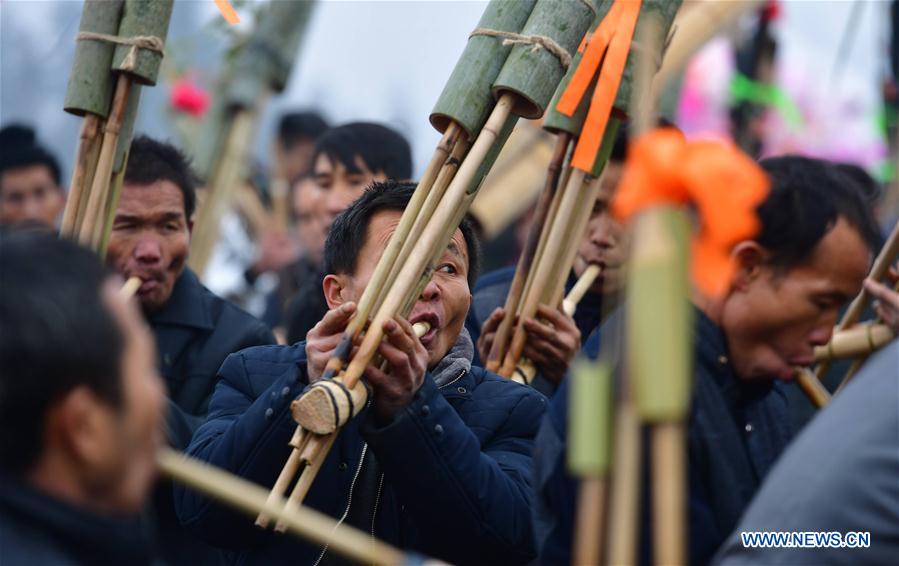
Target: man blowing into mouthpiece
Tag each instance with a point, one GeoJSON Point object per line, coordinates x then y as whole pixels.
{"type": "Point", "coordinates": [438, 462]}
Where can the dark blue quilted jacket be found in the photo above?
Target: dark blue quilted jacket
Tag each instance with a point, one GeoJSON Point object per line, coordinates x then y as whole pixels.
{"type": "Point", "coordinates": [456, 463]}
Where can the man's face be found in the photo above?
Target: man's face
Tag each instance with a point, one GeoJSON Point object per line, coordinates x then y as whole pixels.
{"type": "Point", "coordinates": [443, 303]}
{"type": "Point", "coordinates": [308, 201]}
{"type": "Point", "coordinates": [29, 194]}
{"type": "Point", "coordinates": [295, 160]}
{"type": "Point", "coordinates": [340, 186]}
{"type": "Point", "coordinates": [126, 468]}
{"type": "Point", "coordinates": [773, 319]}
{"type": "Point", "coordinates": [603, 242]}
{"type": "Point", "coordinates": [150, 239]}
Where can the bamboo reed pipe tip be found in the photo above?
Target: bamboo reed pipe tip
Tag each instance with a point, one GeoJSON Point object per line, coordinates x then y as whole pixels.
{"type": "Point", "coordinates": [130, 287]}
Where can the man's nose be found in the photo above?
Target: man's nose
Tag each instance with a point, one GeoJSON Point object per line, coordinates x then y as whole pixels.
{"type": "Point", "coordinates": [337, 199]}
{"type": "Point", "coordinates": [431, 291]}
{"type": "Point", "coordinates": [821, 335]}
{"type": "Point", "coordinates": [602, 232]}
{"type": "Point", "coordinates": [148, 250]}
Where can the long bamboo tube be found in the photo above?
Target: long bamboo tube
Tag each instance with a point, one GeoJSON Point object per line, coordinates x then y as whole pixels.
{"type": "Point", "coordinates": [130, 287]}
{"type": "Point", "coordinates": [250, 498]}
{"type": "Point", "coordinates": [438, 231]}
{"type": "Point", "coordinates": [669, 479]}
{"type": "Point", "coordinates": [526, 259]}
{"type": "Point", "coordinates": [543, 270]}
{"type": "Point", "coordinates": [318, 449]}
{"type": "Point", "coordinates": [812, 387]}
{"type": "Point", "coordinates": [526, 370]}
{"type": "Point", "coordinates": [369, 297]}
{"type": "Point", "coordinates": [589, 523]}
{"type": "Point", "coordinates": [102, 231]}
{"type": "Point", "coordinates": [100, 186]}
{"type": "Point", "coordinates": [85, 162]}
{"type": "Point", "coordinates": [625, 498]}
{"type": "Point", "coordinates": [858, 340]}
{"type": "Point", "coordinates": [434, 196]}
{"type": "Point", "coordinates": [225, 182]}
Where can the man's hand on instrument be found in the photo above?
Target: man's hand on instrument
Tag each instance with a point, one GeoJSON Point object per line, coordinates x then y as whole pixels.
{"type": "Point", "coordinates": [887, 305]}
{"type": "Point", "coordinates": [553, 342]}
{"type": "Point", "coordinates": [488, 332]}
{"type": "Point", "coordinates": [324, 337]}
{"type": "Point", "coordinates": [407, 361]}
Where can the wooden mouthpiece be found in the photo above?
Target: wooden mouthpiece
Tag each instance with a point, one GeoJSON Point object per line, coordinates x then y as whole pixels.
{"type": "Point", "coordinates": [130, 287]}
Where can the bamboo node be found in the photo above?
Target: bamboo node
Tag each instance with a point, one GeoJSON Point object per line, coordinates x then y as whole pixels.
{"type": "Point", "coordinates": [327, 405]}
{"type": "Point", "coordinates": [148, 42]}
{"type": "Point", "coordinates": [538, 42]}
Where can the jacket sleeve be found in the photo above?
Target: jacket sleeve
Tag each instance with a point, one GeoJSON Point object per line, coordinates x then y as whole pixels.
{"type": "Point", "coordinates": [246, 433]}
{"type": "Point", "coordinates": [482, 492]}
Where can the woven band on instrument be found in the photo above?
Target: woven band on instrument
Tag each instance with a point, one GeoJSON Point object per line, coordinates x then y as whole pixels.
{"type": "Point", "coordinates": [538, 41]}
{"type": "Point", "coordinates": [148, 42]}
{"type": "Point", "coordinates": [524, 376]}
{"type": "Point", "coordinates": [870, 333]}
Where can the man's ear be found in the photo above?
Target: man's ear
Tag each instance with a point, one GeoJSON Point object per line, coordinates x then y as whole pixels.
{"type": "Point", "coordinates": [333, 286]}
{"type": "Point", "coordinates": [83, 424]}
{"type": "Point", "coordinates": [749, 257]}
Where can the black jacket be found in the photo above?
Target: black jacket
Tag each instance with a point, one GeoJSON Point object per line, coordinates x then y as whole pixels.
{"type": "Point", "coordinates": [456, 464]}
{"type": "Point", "coordinates": [195, 331]}
{"type": "Point", "coordinates": [38, 529]}
{"type": "Point", "coordinates": [737, 430]}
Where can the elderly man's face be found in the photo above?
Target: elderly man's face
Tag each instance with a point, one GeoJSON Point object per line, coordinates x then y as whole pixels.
{"type": "Point", "coordinates": [150, 239]}
{"type": "Point", "coordinates": [443, 303]}
{"type": "Point", "coordinates": [29, 194]}
{"type": "Point", "coordinates": [773, 319]}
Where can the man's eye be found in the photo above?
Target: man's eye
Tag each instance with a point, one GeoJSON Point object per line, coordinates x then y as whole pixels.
{"type": "Point", "coordinates": [356, 180]}
{"type": "Point", "coordinates": [447, 268]}
{"type": "Point", "coordinates": [171, 226]}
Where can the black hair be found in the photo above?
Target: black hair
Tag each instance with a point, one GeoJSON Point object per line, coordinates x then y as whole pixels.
{"type": "Point", "coordinates": [349, 230]}
{"type": "Point", "coordinates": [381, 149]}
{"type": "Point", "coordinates": [19, 148]}
{"type": "Point", "coordinates": [807, 197]}
{"type": "Point", "coordinates": [868, 186]}
{"type": "Point", "coordinates": [151, 160]}
{"type": "Point", "coordinates": [295, 127]}
{"type": "Point", "coordinates": [55, 335]}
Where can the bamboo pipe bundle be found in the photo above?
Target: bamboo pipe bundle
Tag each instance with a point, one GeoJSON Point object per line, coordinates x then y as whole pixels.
{"type": "Point", "coordinates": [526, 370]}
{"type": "Point", "coordinates": [859, 340]}
{"type": "Point", "coordinates": [125, 40]}
{"type": "Point", "coordinates": [860, 360]}
{"type": "Point", "coordinates": [437, 230]}
{"type": "Point", "coordinates": [304, 522]}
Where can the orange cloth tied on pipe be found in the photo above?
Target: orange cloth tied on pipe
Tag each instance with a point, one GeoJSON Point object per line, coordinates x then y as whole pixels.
{"type": "Point", "coordinates": [606, 53]}
{"type": "Point", "coordinates": [722, 183]}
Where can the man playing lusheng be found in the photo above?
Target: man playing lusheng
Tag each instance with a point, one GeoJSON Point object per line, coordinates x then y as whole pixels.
{"type": "Point", "coordinates": [438, 463]}
{"type": "Point", "coordinates": [810, 257]}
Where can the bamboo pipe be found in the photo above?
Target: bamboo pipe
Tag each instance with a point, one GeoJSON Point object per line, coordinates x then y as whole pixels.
{"type": "Point", "coordinates": [589, 522]}
{"type": "Point", "coordinates": [288, 473]}
{"type": "Point", "coordinates": [434, 196]}
{"type": "Point", "coordinates": [226, 180]}
{"type": "Point", "coordinates": [99, 193]}
{"type": "Point", "coordinates": [130, 287]}
{"type": "Point", "coordinates": [625, 493]}
{"type": "Point", "coordinates": [526, 259]}
{"type": "Point", "coordinates": [858, 340]}
{"type": "Point", "coordinates": [367, 302]}
{"type": "Point", "coordinates": [85, 162]}
{"type": "Point", "coordinates": [543, 271]}
{"type": "Point", "coordinates": [812, 387]}
{"type": "Point", "coordinates": [436, 232]}
{"type": "Point", "coordinates": [852, 315]}
{"type": "Point", "coordinates": [669, 479]}
{"type": "Point", "coordinates": [102, 232]}
{"type": "Point", "coordinates": [318, 448]}
{"type": "Point", "coordinates": [526, 370]}
{"type": "Point", "coordinates": [250, 498]}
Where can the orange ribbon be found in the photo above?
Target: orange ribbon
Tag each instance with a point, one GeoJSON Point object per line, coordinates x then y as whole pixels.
{"type": "Point", "coordinates": [722, 183]}
{"type": "Point", "coordinates": [609, 46]}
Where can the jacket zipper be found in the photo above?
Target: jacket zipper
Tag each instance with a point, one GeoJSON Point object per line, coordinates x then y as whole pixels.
{"type": "Point", "coordinates": [349, 501]}
{"type": "Point", "coordinates": [374, 514]}
{"type": "Point", "coordinates": [458, 377]}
